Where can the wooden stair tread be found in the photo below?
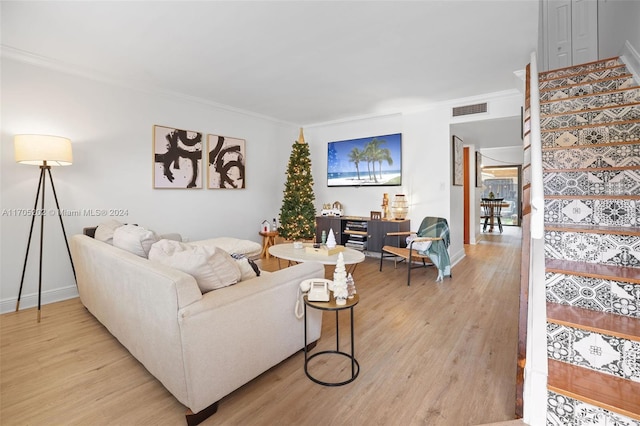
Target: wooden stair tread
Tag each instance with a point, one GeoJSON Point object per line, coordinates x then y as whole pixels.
{"type": "Point", "coordinates": [584, 83]}
{"type": "Point", "coordinates": [591, 197]}
{"type": "Point", "coordinates": [599, 389]}
{"type": "Point", "coordinates": [543, 74]}
{"type": "Point", "coordinates": [587, 95]}
{"type": "Point", "coordinates": [582, 111]}
{"type": "Point", "coordinates": [594, 145]}
{"type": "Point", "coordinates": [595, 229]}
{"type": "Point", "coordinates": [592, 169]}
{"type": "Point", "coordinates": [589, 126]}
{"type": "Point", "coordinates": [594, 270]}
{"type": "Point", "coordinates": [611, 324]}
{"type": "Point", "coordinates": [584, 72]}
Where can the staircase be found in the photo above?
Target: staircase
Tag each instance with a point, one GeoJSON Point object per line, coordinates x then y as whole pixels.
{"type": "Point", "coordinates": [590, 133]}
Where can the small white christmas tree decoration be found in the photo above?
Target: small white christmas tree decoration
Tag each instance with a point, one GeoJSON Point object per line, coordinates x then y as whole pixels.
{"type": "Point", "coordinates": [331, 239]}
{"type": "Point", "coordinates": [340, 291]}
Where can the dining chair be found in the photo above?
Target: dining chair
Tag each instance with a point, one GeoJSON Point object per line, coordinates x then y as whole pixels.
{"type": "Point", "coordinates": [491, 212]}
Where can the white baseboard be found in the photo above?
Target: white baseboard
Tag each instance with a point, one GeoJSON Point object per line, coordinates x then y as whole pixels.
{"type": "Point", "coordinates": [31, 300]}
{"type": "Point", "coordinates": [631, 59]}
{"type": "Point", "coordinates": [457, 257]}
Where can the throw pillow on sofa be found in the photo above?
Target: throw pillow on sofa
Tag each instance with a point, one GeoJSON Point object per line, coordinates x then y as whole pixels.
{"type": "Point", "coordinates": [104, 231]}
{"type": "Point", "coordinates": [249, 248]}
{"type": "Point", "coordinates": [212, 267]}
{"type": "Point", "coordinates": [134, 239]}
{"type": "Point", "coordinates": [248, 268]}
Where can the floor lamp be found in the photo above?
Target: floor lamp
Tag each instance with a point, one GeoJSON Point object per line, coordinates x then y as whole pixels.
{"type": "Point", "coordinates": [43, 151]}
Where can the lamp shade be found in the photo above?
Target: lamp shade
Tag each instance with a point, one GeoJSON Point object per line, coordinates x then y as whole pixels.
{"type": "Point", "coordinates": [36, 149]}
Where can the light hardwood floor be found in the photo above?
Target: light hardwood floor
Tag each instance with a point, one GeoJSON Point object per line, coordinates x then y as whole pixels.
{"type": "Point", "coordinates": [430, 354]}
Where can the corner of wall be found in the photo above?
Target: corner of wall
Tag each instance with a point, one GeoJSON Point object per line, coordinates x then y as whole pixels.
{"type": "Point", "coordinates": [631, 59]}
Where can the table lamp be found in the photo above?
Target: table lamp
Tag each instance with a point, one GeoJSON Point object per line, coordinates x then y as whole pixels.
{"type": "Point", "coordinates": [43, 151]}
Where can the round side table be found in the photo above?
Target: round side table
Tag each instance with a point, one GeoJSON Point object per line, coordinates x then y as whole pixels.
{"type": "Point", "coordinates": [331, 306]}
{"type": "Point", "coordinates": [268, 240]}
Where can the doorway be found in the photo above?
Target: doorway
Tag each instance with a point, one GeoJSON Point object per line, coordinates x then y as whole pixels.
{"type": "Point", "coordinates": [504, 182]}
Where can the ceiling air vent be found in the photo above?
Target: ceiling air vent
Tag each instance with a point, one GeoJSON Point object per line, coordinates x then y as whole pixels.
{"type": "Point", "coordinates": [470, 109]}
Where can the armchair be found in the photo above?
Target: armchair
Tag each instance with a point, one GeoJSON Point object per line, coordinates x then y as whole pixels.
{"type": "Point", "coordinates": [428, 246]}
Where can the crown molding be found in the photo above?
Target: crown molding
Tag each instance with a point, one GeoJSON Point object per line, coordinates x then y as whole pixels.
{"type": "Point", "coordinates": [23, 56]}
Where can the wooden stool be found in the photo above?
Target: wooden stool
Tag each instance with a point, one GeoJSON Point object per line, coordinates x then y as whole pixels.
{"type": "Point", "coordinates": [268, 239]}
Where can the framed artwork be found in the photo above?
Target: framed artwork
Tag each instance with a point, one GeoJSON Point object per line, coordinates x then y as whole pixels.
{"type": "Point", "coordinates": [458, 172]}
{"type": "Point", "coordinates": [177, 158]}
{"type": "Point", "coordinates": [225, 162]}
{"type": "Point", "coordinates": [478, 170]}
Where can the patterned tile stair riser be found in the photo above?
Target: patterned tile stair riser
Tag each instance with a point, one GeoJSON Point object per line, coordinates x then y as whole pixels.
{"type": "Point", "coordinates": [620, 97]}
{"type": "Point", "coordinates": [617, 71]}
{"type": "Point", "coordinates": [588, 89]}
{"type": "Point", "coordinates": [598, 352]}
{"type": "Point", "coordinates": [605, 249]}
{"type": "Point", "coordinates": [592, 157]}
{"type": "Point", "coordinates": [585, 118]}
{"type": "Point", "coordinates": [600, 212]}
{"type": "Point", "coordinates": [585, 183]}
{"type": "Point", "coordinates": [566, 411]}
{"type": "Point", "coordinates": [596, 294]}
{"type": "Point", "coordinates": [579, 69]}
{"type": "Point", "coordinates": [621, 132]}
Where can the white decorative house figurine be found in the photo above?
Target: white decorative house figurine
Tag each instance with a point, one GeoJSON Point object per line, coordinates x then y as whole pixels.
{"type": "Point", "coordinates": [331, 239]}
{"type": "Point", "coordinates": [340, 292]}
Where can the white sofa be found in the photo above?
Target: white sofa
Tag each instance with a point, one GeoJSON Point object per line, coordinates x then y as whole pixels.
{"type": "Point", "coordinates": [201, 347]}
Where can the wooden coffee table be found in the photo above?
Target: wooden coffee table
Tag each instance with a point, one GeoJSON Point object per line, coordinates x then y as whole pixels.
{"type": "Point", "coordinates": [298, 255]}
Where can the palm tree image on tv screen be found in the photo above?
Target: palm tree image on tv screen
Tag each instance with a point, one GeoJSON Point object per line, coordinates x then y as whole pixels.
{"type": "Point", "coordinates": [371, 161]}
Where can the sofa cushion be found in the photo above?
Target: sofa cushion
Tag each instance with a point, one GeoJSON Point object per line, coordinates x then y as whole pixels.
{"type": "Point", "coordinates": [248, 268]}
{"type": "Point", "coordinates": [171, 236]}
{"type": "Point", "coordinates": [249, 248]}
{"type": "Point", "coordinates": [134, 239]}
{"type": "Point", "coordinates": [105, 230]}
{"type": "Point", "coordinates": [211, 266]}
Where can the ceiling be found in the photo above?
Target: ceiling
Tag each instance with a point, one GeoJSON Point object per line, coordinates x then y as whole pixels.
{"type": "Point", "coordinates": [496, 133]}
{"type": "Point", "coordinates": [300, 62]}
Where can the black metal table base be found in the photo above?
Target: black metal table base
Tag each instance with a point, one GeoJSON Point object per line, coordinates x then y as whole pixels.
{"type": "Point", "coordinates": [355, 366]}
{"type": "Point", "coordinates": [355, 370]}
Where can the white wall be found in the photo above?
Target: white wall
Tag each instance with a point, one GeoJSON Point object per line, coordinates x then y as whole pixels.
{"type": "Point", "coordinates": [618, 22]}
{"type": "Point", "coordinates": [111, 129]}
{"type": "Point", "coordinates": [510, 155]}
{"type": "Point", "coordinates": [426, 161]}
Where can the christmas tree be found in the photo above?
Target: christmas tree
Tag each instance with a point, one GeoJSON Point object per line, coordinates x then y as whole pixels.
{"type": "Point", "coordinates": [298, 214]}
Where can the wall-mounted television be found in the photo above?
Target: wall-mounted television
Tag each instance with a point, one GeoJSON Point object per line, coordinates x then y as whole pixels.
{"type": "Point", "coordinates": [371, 161]}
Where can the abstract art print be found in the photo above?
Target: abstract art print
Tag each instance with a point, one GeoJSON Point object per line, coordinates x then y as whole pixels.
{"type": "Point", "coordinates": [226, 162]}
{"type": "Point", "coordinates": [177, 158]}
{"type": "Point", "coordinates": [458, 170]}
